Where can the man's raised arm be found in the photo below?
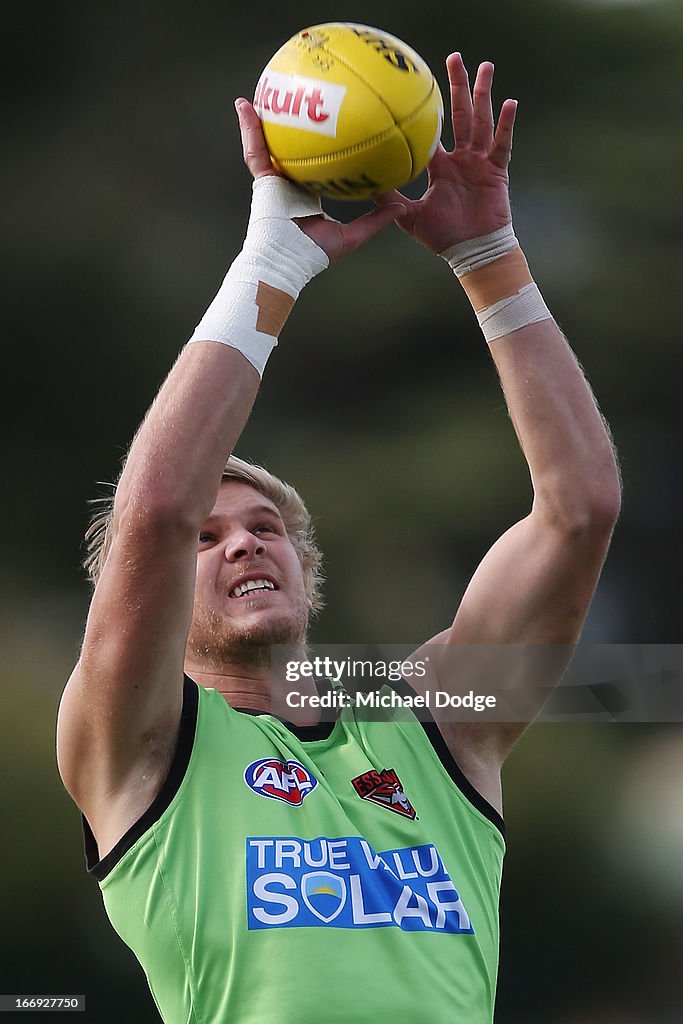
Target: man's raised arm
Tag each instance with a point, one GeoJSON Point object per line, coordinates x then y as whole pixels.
{"type": "Point", "coordinates": [121, 707]}
{"type": "Point", "coordinates": [535, 585]}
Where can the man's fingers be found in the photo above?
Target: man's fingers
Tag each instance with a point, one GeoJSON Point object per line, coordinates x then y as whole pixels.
{"type": "Point", "coordinates": [461, 101]}
{"type": "Point", "coordinates": [256, 155]}
{"type": "Point", "coordinates": [358, 231]}
{"type": "Point", "coordinates": [391, 197]}
{"type": "Point", "coordinates": [502, 143]}
{"type": "Point", "coordinates": [482, 114]}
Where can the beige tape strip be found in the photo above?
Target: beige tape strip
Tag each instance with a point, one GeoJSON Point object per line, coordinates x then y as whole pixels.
{"type": "Point", "coordinates": [274, 306]}
{"type": "Point", "coordinates": [497, 280]}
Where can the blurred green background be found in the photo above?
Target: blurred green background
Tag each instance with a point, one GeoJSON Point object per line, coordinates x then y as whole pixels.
{"type": "Point", "coordinates": [124, 201]}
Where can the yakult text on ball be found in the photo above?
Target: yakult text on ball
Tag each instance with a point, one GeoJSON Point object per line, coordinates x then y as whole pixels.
{"type": "Point", "coordinates": [299, 102]}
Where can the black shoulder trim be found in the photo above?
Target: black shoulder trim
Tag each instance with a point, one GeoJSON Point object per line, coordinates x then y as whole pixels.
{"type": "Point", "coordinates": [188, 724]}
{"type": "Point", "coordinates": [442, 751]}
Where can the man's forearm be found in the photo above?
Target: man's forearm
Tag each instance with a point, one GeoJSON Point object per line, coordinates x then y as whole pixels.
{"type": "Point", "coordinates": [563, 436]}
{"type": "Point", "coordinates": [560, 429]}
{"type": "Point", "coordinates": [175, 462]}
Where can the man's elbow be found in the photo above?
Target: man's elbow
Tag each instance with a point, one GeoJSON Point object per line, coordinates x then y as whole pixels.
{"type": "Point", "coordinates": [606, 506]}
{"type": "Point", "coordinates": [588, 511]}
{"type": "Point", "coordinates": [602, 503]}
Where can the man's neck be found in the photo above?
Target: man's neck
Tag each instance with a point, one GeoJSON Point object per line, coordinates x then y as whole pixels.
{"type": "Point", "coordinates": [253, 689]}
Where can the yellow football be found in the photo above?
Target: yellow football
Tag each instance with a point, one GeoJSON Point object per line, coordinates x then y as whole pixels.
{"type": "Point", "coordinates": [349, 111]}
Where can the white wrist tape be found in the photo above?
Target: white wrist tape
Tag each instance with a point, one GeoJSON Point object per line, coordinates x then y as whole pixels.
{"type": "Point", "coordinates": [498, 283]}
{"type": "Point", "coordinates": [265, 279]}
{"type": "Point", "coordinates": [475, 253]}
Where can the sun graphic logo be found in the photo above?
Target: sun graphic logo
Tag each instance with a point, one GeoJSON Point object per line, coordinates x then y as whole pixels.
{"type": "Point", "coordinates": [324, 894]}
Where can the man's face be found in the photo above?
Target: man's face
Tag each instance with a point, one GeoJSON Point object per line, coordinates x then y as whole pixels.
{"type": "Point", "coordinates": [250, 588]}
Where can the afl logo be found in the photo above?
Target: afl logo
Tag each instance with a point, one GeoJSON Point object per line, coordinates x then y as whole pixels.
{"type": "Point", "coordinates": [280, 780]}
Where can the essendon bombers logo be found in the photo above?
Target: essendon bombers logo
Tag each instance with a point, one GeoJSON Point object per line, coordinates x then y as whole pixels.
{"type": "Point", "coordinates": [384, 788]}
{"type": "Point", "coordinates": [280, 780]}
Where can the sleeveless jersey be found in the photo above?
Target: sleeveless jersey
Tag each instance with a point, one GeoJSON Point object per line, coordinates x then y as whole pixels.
{"type": "Point", "coordinates": [340, 872]}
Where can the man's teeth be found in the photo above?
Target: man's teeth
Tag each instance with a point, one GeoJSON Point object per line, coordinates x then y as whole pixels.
{"type": "Point", "coordinates": [243, 588]}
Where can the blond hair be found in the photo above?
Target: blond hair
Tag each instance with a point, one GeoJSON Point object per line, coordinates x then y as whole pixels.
{"type": "Point", "coordinates": [287, 500]}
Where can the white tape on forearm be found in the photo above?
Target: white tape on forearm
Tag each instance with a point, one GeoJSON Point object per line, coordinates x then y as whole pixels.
{"type": "Point", "coordinates": [519, 310]}
{"type": "Point", "coordinates": [266, 277]}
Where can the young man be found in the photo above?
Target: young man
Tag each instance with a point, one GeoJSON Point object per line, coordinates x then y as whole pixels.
{"type": "Point", "coordinates": [335, 870]}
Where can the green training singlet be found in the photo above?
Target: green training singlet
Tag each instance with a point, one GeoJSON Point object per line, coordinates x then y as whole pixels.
{"type": "Point", "coordinates": [330, 874]}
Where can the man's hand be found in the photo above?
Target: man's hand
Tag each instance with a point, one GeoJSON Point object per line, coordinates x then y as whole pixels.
{"type": "Point", "coordinates": [334, 238]}
{"type": "Point", "coordinates": [467, 192]}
